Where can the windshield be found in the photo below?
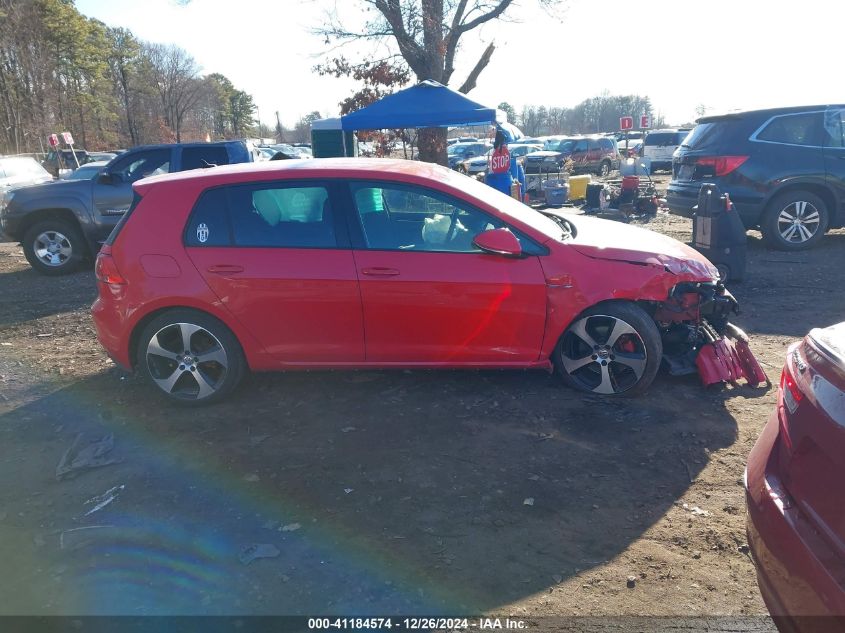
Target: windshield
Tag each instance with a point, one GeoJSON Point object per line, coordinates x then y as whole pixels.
{"type": "Point", "coordinates": [84, 173]}
{"type": "Point", "coordinates": [566, 146]}
{"type": "Point", "coordinates": [698, 134]}
{"type": "Point", "coordinates": [459, 150]}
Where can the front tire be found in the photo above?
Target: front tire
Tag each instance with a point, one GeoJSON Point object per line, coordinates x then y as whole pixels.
{"type": "Point", "coordinates": [795, 221]}
{"type": "Point", "coordinates": [190, 357]}
{"type": "Point", "coordinates": [604, 169]}
{"type": "Point", "coordinates": [611, 349]}
{"type": "Point", "coordinates": [54, 247]}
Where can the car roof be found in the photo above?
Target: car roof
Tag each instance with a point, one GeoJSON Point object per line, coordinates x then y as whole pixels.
{"type": "Point", "coordinates": [364, 168]}
{"type": "Point", "coordinates": [767, 111]}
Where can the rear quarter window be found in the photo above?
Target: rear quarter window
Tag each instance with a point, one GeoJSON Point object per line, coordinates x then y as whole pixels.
{"type": "Point", "coordinates": [794, 129]}
{"type": "Point", "coordinates": [208, 224]}
{"type": "Point", "coordinates": [201, 157]}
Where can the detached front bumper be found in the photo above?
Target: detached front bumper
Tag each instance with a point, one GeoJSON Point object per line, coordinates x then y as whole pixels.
{"type": "Point", "coordinates": [729, 358]}
{"type": "Point", "coordinates": [698, 338]}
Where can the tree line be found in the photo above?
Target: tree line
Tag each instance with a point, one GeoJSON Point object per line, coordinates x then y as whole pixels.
{"type": "Point", "coordinates": [597, 114]}
{"type": "Point", "coordinates": [60, 70]}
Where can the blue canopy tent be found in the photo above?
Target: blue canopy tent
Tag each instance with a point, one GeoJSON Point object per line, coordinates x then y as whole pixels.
{"type": "Point", "coordinates": [428, 104]}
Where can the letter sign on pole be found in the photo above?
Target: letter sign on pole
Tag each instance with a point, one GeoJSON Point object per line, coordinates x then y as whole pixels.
{"type": "Point", "coordinates": [626, 123]}
{"type": "Point", "coordinates": [67, 138]}
{"type": "Point", "coordinates": [53, 139]}
{"type": "Point", "coordinates": [645, 122]}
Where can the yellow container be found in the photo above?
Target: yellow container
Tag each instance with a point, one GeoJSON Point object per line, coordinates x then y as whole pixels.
{"type": "Point", "coordinates": [578, 186]}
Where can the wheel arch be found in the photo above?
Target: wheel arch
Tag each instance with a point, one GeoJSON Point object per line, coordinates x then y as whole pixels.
{"type": "Point", "coordinates": [648, 306]}
{"type": "Point", "coordinates": [59, 212]}
{"type": "Point", "coordinates": [145, 320]}
{"type": "Point", "coordinates": [820, 189]}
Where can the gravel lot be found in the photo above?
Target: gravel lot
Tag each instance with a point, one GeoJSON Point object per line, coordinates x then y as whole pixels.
{"type": "Point", "coordinates": [384, 492]}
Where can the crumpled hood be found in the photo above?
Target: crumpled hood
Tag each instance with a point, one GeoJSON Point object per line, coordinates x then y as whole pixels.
{"type": "Point", "coordinates": [605, 239]}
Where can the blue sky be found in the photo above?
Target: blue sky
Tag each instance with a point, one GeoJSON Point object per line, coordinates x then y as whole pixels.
{"type": "Point", "coordinates": [726, 54]}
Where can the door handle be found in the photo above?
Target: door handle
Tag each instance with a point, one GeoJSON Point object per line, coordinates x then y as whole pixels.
{"type": "Point", "coordinates": [221, 269]}
{"type": "Point", "coordinates": [380, 271]}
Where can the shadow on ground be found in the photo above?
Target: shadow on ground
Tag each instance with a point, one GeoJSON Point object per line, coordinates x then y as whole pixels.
{"type": "Point", "coordinates": [383, 492]}
{"type": "Point", "coordinates": [55, 294]}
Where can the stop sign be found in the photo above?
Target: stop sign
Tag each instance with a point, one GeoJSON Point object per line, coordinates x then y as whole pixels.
{"type": "Point", "coordinates": [626, 123]}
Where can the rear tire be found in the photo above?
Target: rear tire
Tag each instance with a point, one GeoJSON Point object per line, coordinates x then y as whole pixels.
{"type": "Point", "coordinates": [794, 221]}
{"type": "Point", "coordinates": [54, 247]}
{"type": "Point", "coordinates": [190, 357]}
{"type": "Point", "coordinates": [611, 349]}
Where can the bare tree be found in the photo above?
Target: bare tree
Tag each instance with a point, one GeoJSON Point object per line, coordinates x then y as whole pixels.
{"type": "Point", "coordinates": [428, 35]}
{"type": "Point", "coordinates": [175, 76]}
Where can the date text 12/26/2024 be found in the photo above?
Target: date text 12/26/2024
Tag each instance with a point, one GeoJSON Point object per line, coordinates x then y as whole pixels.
{"type": "Point", "coordinates": [416, 624]}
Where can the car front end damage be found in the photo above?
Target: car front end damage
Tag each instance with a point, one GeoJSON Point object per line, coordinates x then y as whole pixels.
{"type": "Point", "coordinates": [698, 337]}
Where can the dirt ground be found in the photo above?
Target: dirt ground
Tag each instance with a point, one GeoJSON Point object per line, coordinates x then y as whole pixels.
{"type": "Point", "coordinates": [384, 492]}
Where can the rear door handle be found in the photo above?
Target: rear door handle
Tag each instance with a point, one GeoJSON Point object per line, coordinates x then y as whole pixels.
{"type": "Point", "coordinates": [221, 269]}
{"type": "Point", "coordinates": [379, 271]}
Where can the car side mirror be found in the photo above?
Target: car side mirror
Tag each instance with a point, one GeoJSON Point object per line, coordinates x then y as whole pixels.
{"type": "Point", "coordinates": [498, 242]}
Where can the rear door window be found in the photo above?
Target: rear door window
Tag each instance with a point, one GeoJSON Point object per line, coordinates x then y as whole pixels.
{"type": "Point", "coordinates": [201, 157]}
{"type": "Point", "coordinates": [281, 215]}
{"type": "Point", "coordinates": [794, 129]}
{"type": "Point", "coordinates": [264, 215]}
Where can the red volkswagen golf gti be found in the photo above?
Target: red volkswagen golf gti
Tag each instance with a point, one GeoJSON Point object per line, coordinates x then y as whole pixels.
{"type": "Point", "coordinates": [796, 507]}
{"type": "Point", "coordinates": [378, 263]}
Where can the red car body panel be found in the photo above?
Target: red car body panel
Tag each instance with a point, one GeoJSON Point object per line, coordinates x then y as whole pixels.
{"type": "Point", "coordinates": [451, 307]}
{"type": "Point", "coordinates": [339, 307]}
{"type": "Point", "coordinates": [303, 305]}
{"type": "Point", "coordinates": [796, 514]}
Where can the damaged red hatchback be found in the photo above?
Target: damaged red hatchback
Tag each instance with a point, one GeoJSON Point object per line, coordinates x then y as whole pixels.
{"type": "Point", "coordinates": [377, 263]}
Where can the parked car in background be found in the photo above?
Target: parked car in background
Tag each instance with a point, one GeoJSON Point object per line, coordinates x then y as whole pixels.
{"type": "Point", "coordinates": [62, 224]}
{"type": "Point", "coordinates": [87, 172]}
{"type": "Point", "coordinates": [796, 507]}
{"type": "Point", "coordinates": [659, 146]}
{"type": "Point", "coordinates": [784, 169]}
{"type": "Point", "coordinates": [59, 160]}
{"type": "Point", "coordinates": [480, 164]}
{"type": "Point", "coordinates": [101, 156]}
{"type": "Point", "coordinates": [462, 139]}
{"type": "Point", "coordinates": [213, 272]}
{"type": "Point", "coordinates": [596, 154]}
{"type": "Point", "coordinates": [459, 152]}
{"type": "Point", "coordinates": [289, 151]}
{"type": "Point", "coordinates": [19, 171]}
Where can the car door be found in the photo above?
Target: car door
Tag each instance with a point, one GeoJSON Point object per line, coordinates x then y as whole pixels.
{"type": "Point", "coordinates": [580, 155]}
{"type": "Point", "coordinates": [593, 154]}
{"type": "Point", "coordinates": [429, 295]}
{"type": "Point", "coordinates": [834, 154]}
{"type": "Point", "coordinates": [112, 193]}
{"type": "Point", "coordinates": [278, 257]}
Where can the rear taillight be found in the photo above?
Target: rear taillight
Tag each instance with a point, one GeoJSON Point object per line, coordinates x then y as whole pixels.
{"type": "Point", "coordinates": [792, 395]}
{"type": "Point", "coordinates": [721, 165]}
{"type": "Point", "coordinates": [106, 270]}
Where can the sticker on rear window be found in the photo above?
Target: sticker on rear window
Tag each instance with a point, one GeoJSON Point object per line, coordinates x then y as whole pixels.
{"type": "Point", "coordinates": [202, 233]}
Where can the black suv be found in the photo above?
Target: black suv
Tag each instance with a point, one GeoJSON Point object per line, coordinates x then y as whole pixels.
{"type": "Point", "coordinates": [63, 223]}
{"type": "Point", "coordinates": [784, 169]}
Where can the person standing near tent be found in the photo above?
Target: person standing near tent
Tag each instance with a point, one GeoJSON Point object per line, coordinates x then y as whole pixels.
{"type": "Point", "coordinates": [499, 170]}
